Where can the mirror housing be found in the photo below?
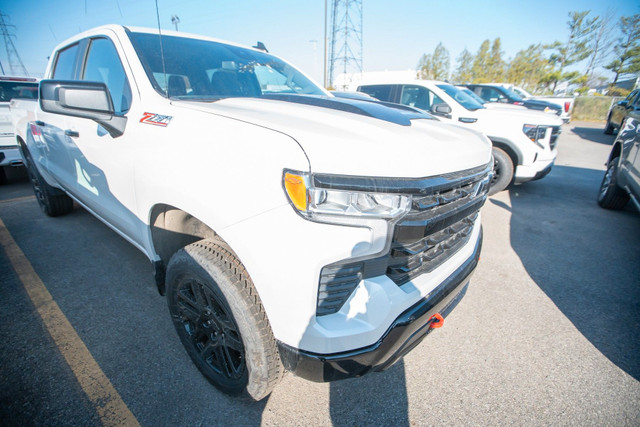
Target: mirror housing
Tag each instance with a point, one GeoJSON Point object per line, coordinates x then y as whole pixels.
{"type": "Point", "coordinates": [88, 100]}
{"type": "Point", "coordinates": [623, 103]}
{"type": "Point", "coordinates": [442, 109]}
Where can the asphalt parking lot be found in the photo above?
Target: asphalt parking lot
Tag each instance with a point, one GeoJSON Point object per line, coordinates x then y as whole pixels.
{"type": "Point", "coordinates": [548, 333]}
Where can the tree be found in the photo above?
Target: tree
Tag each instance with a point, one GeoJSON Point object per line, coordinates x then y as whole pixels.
{"type": "Point", "coordinates": [463, 73]}
{"type": "Point", "coordinates": [529, 67]}
{"type": "Point", "coordinates": [435, 66]}
{"type": "Point", "coordinates": [600, 43]}
{"type": "Point", "coordinates": [627, 52]}
{"type": "Point", "coordinates": [481, 63]}
{"type": "Point", "coordinates": [575, 49]}
{"type": "Point", "coordinates": [496, 65]}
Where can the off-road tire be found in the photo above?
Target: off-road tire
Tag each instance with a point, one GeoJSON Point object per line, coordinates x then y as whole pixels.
{"type": "Point", "coordinates": [503, 171]}
{"type": "Point", "coordinates": [220, 320]}
{"type": "Point", "coordinates": [611, 196]}
{"type": "Point", "coordinates": [52, 201]}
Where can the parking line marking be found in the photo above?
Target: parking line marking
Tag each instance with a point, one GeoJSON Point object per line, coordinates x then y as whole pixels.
{"type": "Point", "coordinates": [108, 403]}
{"type": "Point", "coordinates": [17, 199]}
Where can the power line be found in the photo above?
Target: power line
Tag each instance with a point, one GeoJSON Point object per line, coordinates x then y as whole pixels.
{"type": "Point", "coordinates": [15, 63]}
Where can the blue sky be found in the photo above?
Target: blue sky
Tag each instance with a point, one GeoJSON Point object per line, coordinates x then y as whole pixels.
{"type": "Point", "coordinates": [396, 33]}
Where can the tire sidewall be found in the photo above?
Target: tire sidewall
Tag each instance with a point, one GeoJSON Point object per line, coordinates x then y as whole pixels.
{"type": "Point", "coordinates": [189, 263]}
{"type": "Point", "coordinates": [505, 168]}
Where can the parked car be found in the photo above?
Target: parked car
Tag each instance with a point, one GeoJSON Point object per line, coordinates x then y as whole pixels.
{"type": "Point", "coordinates": [524, 141]}
{"type": "Point", "coordinates": [620, 110]}
{"type": "Point", "coordinates": [289, 229]}
{"type": "Point", "coordinates": [10, 88]}
{"type": "Point", "coordinates": [496, 93]}
{"type": "Point", "coordinates": [564, 102]}
{"type": "Point", "coordinates": [491, 105]}
{"type": "Point", "coordinates": [621, 180]}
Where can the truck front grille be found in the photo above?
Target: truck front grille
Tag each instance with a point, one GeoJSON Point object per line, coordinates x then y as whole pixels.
{"type": "Point", "coordinates": [435, 229]}
{"type": "Point", "coordinates": [443, 213]}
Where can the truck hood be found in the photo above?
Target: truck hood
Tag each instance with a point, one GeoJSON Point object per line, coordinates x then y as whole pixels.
{"type": "Point", "coordinates": [524, 116]}
{"type": "Point", "coordinates": [339, 140]}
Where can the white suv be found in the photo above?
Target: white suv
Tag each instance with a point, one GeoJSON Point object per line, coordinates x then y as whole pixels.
{"type": "Point", "coordinates": [524, 142]}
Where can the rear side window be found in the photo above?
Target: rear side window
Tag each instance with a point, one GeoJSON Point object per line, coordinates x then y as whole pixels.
{"type": "Point", "coordinates": [66, 63]}
{"type": "Point", "coordinates": [103, 65]}
{"type": "Point", "coordinates": [380, 92]}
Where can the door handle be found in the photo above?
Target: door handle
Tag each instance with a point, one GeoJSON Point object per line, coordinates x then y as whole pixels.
{"type": "Point", "coordinates": [71, 133]}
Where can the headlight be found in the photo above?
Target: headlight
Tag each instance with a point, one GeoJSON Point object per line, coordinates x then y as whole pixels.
{"type": "Point", "coordinates": [315, 203]}
{"type": "Point", "coordinates": [535, 133]}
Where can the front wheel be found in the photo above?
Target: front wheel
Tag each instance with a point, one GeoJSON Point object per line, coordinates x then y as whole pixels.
{"type": "Point", "coordinates": [502, 171]}
{"type": "Point", "coordinates": [221, 321]}
{"type": "Point", "coordinates": [611, 196]}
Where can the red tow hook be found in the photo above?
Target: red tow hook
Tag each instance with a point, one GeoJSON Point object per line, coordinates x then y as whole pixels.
{"type": "Point", "coordinates": [437, 321]}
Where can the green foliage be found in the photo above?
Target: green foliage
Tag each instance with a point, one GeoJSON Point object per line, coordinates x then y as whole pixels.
{"type": "Point", "coordinates": [540, 68]}
{"type": "Point", "coordinates": [627, 51]}
{"type": "Point", "coordinates": [463, 73]}
{"type": "Point", "coordinates": [481, 64]}
{"type": "Point", "coordinates": [528, 68]}
{"type": "Point", "coordinates": [435, 66]}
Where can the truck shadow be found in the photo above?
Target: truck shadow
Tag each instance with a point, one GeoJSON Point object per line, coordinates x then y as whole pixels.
{"type": "Point", "coordinates": [594, 134]}
{"type": "Point", "coordinates": [379, 398]}
{"type": "Point", "coordinates": [585, 258]}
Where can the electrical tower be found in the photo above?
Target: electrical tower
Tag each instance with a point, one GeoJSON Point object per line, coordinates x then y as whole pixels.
{"type": "Point", "coordinates": [345, 47]}
{"type": "Point", "coordinates": [15, 63]}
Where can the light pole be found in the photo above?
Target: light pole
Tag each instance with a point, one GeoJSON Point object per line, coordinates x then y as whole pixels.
{"type": "Point", "coordinates": [175, 21]}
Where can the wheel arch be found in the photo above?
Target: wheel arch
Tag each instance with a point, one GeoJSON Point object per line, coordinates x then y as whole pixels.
{"type": "Point", "coordinates": [514, 153]}
{"type": "Point", "coordinates": [616, 151]}
{"type": "Point", "coordinates": [172, 229]}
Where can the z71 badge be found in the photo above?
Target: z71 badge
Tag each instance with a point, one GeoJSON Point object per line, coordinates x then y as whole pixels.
{"type": "Point", "coordinates": [155, 119]}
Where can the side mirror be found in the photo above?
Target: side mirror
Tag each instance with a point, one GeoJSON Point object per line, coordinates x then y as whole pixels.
{"type": "Point", "coordinates": [88, 100]}
{"type": "Point", "coordinates": [623, 103]}
{"type": "Point", "coordinates": [442, 109]}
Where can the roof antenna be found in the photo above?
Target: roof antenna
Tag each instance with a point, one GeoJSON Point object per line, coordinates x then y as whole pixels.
{"type": "Point", "coordinates": [261, 46]}
{"type": "Point", "coordinates": [164, 71]}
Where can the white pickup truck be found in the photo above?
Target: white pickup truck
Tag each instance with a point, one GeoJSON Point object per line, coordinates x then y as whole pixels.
{"type": "Point", "coordinates": [524, 141]}
{"type": "Point", "coordinates": [290, 230]}
{"type": "Point", "coordinates": [10, 88]}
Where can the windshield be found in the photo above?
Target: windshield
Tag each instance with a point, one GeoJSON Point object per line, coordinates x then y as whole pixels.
{"type": "Point", "coordinates": [205, 70]}
{"type": "Point", "coordinates": [514, 96]}
{"type": "Point", "coordinates": [473, 95]}
{"type": "Point", "coordinates": [10, 90]}
{"type": "Point", "coordinates": [461, 97]}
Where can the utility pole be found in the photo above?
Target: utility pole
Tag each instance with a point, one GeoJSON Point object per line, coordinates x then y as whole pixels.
{"type": "Point", "coordinates": [15, 63]}
{"type": "Point", "coordinates": [345, 49]}
{"type": "Point", "coordinates": [175, 21]}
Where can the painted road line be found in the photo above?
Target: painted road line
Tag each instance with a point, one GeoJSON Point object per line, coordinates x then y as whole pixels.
{"type": "Point", "coordinates": [108, 403]}
{"type": "Point", "coordinates": [17, 199]}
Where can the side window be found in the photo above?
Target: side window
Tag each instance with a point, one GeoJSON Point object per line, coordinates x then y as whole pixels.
{"type": "Point", "coordinates": [380, 92]}
{"type": "Point", "coordinates": [65, 63]}
{"type": "Point", "coordinates": [490, 94]}
{"type": "Point", "coordinates": [420, 97]}
{"type": "Point", "coordinates": [103, 65]}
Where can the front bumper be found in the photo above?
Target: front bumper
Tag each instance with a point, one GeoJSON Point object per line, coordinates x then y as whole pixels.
{"type": "Point", "coordinates": [535, 171]}
{"type": "Point", "coordinates": [406, 332]}
{"type": "Point", "coordinates": [10, 156]}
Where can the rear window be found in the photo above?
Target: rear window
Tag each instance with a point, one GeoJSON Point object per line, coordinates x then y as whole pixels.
{"type": "Point", "coordinates": [10, 90]}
